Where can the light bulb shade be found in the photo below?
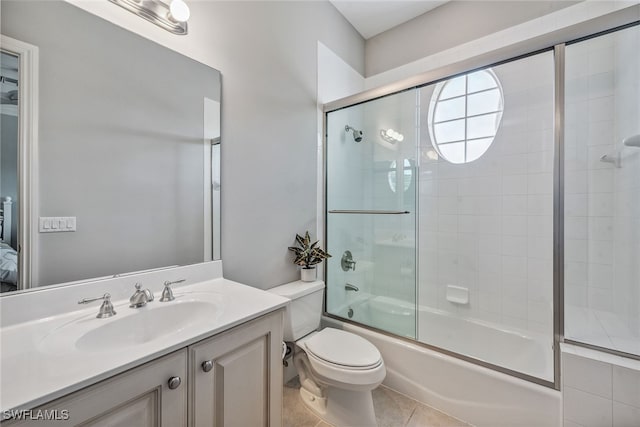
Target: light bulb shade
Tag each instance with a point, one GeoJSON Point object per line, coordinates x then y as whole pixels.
{"type": "Point", "coordinates": [432, 155]}
{"type": "Point", "coordinates": [391, 136]}
{"type": "Point", "coordinates": [179, 10]}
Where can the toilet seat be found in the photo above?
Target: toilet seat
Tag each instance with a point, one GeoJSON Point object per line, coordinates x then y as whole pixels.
{"type": "Point", "coordinates": [359, 363]}
{"type": "Point", "coordinates": [343, 349]}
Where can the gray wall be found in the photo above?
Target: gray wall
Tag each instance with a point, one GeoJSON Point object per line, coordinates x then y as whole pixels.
{"type": "Point", "coordinates": [266, 52]}
{"type": "Point", "coordinates": [121, 143]}
{"type": "Point", "coordinates": [447, 26]}
{"type": "Point", "coordinates": [9, 168]}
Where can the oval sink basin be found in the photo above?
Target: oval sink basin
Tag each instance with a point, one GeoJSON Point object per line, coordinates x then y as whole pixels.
{"type": "Point", "coordinates": [132, 326]}
{"type": "Point", "coordinates": [146, 325]}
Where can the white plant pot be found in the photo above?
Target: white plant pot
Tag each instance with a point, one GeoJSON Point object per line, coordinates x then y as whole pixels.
{"type": "Point", "coordinates": [308, 274]}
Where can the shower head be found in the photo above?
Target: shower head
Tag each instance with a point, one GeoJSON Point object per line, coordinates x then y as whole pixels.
{"type": "Point", "coordinates": [357, 134]}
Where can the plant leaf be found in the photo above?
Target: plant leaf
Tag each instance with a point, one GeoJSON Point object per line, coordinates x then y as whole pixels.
{"type": "Point", "coordinates": [308, 254]}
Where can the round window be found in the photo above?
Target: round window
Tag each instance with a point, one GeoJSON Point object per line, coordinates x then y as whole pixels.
{"type": "Point", "coordinates": [464, 115]}
{"type": "Point", "coordinates": [407, 173]}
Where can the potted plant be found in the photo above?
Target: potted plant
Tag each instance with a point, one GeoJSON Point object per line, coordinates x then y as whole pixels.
{"type": "Point", "coordinates": [308, 255]}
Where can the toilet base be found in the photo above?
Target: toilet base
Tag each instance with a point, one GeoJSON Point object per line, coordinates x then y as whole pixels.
{"type": "Point", "coordinates": [342, 408]}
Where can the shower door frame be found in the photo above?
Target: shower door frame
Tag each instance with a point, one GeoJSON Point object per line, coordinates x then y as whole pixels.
{"type": "Point", "coordinates": [556, 42]}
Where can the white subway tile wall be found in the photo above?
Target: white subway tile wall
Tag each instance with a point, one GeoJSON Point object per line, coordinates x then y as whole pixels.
{"type": "Point", "coordinates": [597, 391]}
{"type": "Point", "coordinates": [492, 219]}
{"type": "Point", "coordinates": [602, 200]}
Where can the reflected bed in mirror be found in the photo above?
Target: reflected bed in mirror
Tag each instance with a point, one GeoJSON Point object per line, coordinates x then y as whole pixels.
{"type": "Point", "coordinates": [128, 149]}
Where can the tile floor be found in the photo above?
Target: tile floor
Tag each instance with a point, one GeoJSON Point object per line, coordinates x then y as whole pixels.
{"type": "Point", "coordinates": [392, 410]}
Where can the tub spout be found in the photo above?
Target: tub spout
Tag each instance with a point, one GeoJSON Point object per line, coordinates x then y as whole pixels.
{"type": "Point", "coordinates": [350, 287]}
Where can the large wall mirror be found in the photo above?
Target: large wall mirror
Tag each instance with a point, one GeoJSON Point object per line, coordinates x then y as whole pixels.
{"type": "Point", "coordinates": [123, 174]}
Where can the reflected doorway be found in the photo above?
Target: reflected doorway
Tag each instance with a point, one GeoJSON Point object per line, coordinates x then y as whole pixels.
{"type": "Point", "coordinates": [9, 131]}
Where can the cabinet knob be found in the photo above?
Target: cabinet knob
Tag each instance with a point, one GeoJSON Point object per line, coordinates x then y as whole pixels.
{"type": "Point", "coordinates": [174, 382]}
{"type": "Point", "coordinates": [207, 365]}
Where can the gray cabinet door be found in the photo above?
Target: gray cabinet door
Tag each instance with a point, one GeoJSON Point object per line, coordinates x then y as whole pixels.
{"type": "Point", "coordinates": [140, 397]}
{"type": "Point", "coordinates": [241, 383]}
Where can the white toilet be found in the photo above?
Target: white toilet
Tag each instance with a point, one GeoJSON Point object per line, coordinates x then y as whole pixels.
{"type": "Point", "coordinates": [337, 369]}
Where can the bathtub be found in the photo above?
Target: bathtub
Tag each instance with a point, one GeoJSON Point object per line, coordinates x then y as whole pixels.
{"type": "Point", "coordinates": [523, 351]}
{"type": "Point", "coordinates": [473, 393]}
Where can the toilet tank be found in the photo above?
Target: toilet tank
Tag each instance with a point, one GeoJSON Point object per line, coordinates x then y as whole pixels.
{"type": "Point", "coordinates": [303, 312]}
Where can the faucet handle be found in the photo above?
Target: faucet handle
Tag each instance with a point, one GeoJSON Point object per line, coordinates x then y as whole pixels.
{"type": "Point", "coordinates": [106, 296]}
{"type": "Point", "coordinates": [106, 309]}
{"type": "Point", "coordinates": [347, 261]}
{"type": "Point", "coordinates": [167, 293]}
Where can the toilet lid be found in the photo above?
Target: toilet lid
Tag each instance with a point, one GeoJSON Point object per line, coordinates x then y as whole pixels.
{"type": "Point", "coordinates": [343, 348]}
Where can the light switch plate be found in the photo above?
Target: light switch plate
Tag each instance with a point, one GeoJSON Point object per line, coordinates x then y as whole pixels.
{"type": "Point", "coordinates": [57, 224]}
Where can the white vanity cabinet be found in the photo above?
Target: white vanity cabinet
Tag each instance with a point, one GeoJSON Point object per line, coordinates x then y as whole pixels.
{"type": "Point", "coordinates": [233, 378]}
{"type": "Point", "coordinates": [236, 376]}
{"type": "Point", "coordinates": [140, 397]}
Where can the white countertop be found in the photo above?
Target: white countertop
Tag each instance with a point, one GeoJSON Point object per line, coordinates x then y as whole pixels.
{"type": "Point", "coordinates": [32, 373]}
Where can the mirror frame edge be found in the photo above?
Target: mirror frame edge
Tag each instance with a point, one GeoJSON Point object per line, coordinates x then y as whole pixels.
{"type": "Point", "coordinates": [28, 56]}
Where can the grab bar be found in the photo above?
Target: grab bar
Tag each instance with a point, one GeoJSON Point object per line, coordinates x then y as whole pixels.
{"type": "Point", "coordinates": [338, 211]}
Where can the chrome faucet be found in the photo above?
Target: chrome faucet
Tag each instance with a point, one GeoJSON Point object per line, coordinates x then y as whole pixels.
{"type": "Point", "coordinates": [140, 298]}
{"type": "Point", "coordinates": [350, 287]}
{"type": "Point", "coordinates": [106, 309]}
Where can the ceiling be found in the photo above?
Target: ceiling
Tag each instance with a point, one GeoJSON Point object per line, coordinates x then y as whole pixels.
{"type": "Point", "coordinates": [374, 17]}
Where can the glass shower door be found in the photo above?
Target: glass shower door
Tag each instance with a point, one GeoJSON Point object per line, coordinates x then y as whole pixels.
{"type": "Point", "coordinates": [602, 192]}
{"type": "Point", "coordinates": [371, 213]}
{"type": "Point", "coordinates": [486, 215]}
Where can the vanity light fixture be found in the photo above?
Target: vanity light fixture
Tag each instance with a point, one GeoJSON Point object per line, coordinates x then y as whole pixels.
{"type": "Point", "coordinates": [391, 136]}
{"type": "Point", "coordinates": [172, 17]}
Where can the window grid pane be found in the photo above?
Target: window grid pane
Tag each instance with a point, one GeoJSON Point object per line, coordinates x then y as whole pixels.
{"type": "Point", "coordinates": [469, 116]}
{"type": "Point", "coordinates": [465, 138]}
{"type": "Point", "coordinates": [480, 102]}
{"type": "Point", "coordinates": [480, 80]}
{"type": "Point", "coordinates": [453, 88]}
{"type": "Point", "coordinates": [450, 131]}
{"type": "Point", "coordinates": [450, 109]}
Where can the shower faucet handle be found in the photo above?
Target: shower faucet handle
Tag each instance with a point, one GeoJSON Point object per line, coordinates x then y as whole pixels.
{"type": "Point", "coordinates": [347, 263]}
